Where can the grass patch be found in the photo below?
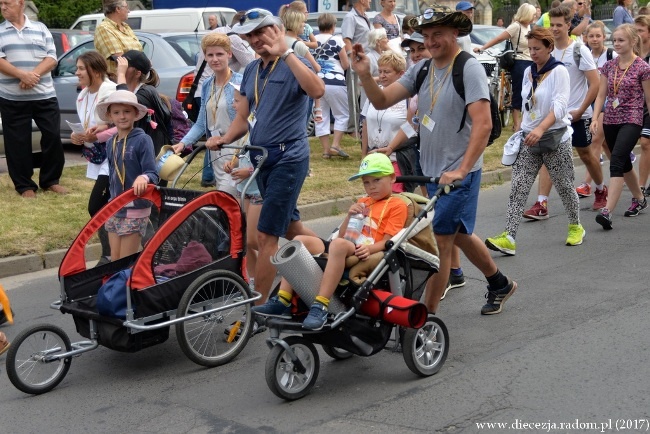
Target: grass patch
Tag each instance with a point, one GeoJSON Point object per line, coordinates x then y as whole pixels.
{"type": "Point", "coordinates": [52, 221]}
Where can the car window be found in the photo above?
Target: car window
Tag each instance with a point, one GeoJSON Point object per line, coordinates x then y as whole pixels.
{"type": "Point", "coordinates": [67, 66]}
{"type": "Point", "coordinates": [135, 23]}
{"type": "Point", "coordinates": [88, 25]}
{"type": "Point", "coordinates": [187, 46]}
{"type": "Point", "coordinates": [68, 63]}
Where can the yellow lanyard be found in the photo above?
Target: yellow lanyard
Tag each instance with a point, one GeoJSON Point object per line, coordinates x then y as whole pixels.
{"type": "Point", "coordinates": [257, 97]}
{"type": "Point", "coordinates": [216, 101]}
{"type": "Point", "coordinates": [618, 85]}
{"type": "Point", "coordinates": [381, 216]}
{"type": "Point", "coordinates": [533, 101]}
{"type": "Point", "coordinates": [88, 114]}
{"type": "Point", "coordinates": [432, 74]}
{"type": "Point", "coordinates": [121, 175]}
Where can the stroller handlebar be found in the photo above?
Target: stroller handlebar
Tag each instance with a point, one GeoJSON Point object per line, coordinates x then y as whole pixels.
{"type": "Point", "coordinates": [429, 180]}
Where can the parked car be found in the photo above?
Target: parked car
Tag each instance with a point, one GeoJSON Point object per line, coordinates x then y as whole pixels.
{"type": "Point", "coordinates": [173, 56]}
{"type": "Point", "coordinates": [65, 39]}
{"type": "Point", "coordinates": [479, 36]}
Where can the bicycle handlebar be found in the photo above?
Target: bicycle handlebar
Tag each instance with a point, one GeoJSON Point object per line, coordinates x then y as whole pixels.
{"type": "Point", "coordinates": [495, 54]}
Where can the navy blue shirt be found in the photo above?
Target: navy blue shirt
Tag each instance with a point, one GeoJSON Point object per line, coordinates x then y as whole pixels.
{"type": "Point", "coordinates": [283, 108]}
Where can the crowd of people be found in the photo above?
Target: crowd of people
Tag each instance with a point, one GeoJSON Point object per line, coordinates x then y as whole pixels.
{"type": "Point", "coordinates": [259, 80]}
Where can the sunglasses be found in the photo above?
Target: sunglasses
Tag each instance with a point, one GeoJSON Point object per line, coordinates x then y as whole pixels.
{"type": "Point", "coordinates": [252, 15]}
{"type": "Point", "coordinates": [429, 14]}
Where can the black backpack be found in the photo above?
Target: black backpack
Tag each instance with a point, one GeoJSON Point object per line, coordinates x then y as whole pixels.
{"type": "Point", "coordinates": [457, 80]}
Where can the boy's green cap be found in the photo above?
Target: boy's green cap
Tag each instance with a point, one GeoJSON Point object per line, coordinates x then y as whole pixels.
{"type": "Point", "coordinates": [376, 164]}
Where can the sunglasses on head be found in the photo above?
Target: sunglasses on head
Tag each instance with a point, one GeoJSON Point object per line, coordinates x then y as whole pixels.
{"type": "Point", "coordinates": [252, 15]}
{"type": "Point", "coordinates": [429, 14]}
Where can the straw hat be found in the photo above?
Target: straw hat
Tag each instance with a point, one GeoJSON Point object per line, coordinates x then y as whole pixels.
{"type": "Point", "coordinates": [120, 97]}
{"type": "Point", "coordinates": [438, 15]}
{"type": "Point", "coordinates": [168, 164]}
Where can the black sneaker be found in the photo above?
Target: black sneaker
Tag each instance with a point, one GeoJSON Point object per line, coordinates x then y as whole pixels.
{"type": "Point", "coordinates": [636, 207]}
{"type": "Point", "coordinates": [455, 281]}
{"type": "Point", "coordinates": [604, 219]}
{"type": "Point", "coordinates": [496, 299]}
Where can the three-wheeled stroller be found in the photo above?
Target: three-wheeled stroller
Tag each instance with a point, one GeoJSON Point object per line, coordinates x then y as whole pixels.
{"type": "Point", "coordinates": [367, 314]}
{"type": "Point", "coordinates": [189, 274]}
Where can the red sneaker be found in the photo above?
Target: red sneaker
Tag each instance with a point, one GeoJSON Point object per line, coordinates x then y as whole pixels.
{"type": "Point", "coordinates": [539, 211]}
{"type": "Point", "coordinates": [601, 198]}
{"type": "Point", "coordinates": [584, 190]}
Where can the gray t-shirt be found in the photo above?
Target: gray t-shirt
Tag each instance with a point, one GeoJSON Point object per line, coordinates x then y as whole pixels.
{"type": "Point", "coordinates": [355, 27]}
{"type": "Point", "coordinates": [442, 149]}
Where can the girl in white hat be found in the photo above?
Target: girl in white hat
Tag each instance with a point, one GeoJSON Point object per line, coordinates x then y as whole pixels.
{"type": "Point", "coordinates": [131, 164]}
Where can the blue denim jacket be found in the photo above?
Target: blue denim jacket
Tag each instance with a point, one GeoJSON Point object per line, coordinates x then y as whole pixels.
{"type": "Point", "coordinates": [200, 128]}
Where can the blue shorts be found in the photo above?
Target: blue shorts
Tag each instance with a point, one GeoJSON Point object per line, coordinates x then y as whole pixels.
{"type": "Point", "coordinates": [280, 186]}
{"type": "Point", "coordinates": [456, 211]}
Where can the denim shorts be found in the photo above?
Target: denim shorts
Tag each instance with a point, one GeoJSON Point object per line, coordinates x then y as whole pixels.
{"type": "Point", "coordinates": [456, 211]}
{"type": "Point", "coordinates": [126, 226]}
{"type": "Point", "coordinates": [280, 186]}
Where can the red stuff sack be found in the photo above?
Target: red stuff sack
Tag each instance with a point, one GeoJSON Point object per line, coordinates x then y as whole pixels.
{"type": "Point", "coordinates": [395, 309]}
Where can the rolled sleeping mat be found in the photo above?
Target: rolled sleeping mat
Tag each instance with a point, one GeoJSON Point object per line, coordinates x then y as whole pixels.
{"type": "Point", "coordinates": [395, 309]}
{"type": "Point", "coordinates": [294, 262]}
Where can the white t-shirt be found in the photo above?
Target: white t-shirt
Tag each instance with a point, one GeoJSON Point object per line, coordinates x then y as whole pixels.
{"type": "Point", "coordinates": [578, 80]}
{"type": "Point", "coordinates": [383, 125]}
{"type": "Point", "coordinates": [87, 116]}
{"type": "Point", "coordinates": [602, 59]}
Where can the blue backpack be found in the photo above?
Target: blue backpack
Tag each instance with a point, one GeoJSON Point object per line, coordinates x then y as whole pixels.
{"type": "Point", "coordinates": [111, 297]}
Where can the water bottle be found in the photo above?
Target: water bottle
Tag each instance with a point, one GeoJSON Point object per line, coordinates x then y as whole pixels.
{"type": "Point", "coordinates": [355, 225]}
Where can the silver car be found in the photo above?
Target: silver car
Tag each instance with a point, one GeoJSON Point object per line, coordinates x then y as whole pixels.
{"type": "Point", "coordinates": [172, 54]}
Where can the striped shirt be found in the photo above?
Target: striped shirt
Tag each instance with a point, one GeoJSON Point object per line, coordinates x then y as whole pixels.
{"type": "Point", "coordinates": [111, 39]}
{"type": "Point", "coordinates": [25, 49]}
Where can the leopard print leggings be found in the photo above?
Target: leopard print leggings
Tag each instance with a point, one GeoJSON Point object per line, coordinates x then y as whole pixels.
{"type": "Point", "coordinates": [560, 166]}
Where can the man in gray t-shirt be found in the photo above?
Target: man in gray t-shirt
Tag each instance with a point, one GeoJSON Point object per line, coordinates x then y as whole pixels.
{"type": "Point", "coordinates": [446, 151]}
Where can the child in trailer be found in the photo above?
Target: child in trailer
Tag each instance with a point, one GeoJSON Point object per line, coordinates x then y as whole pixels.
{"type": "Point", "coordinates": [384, 215]}
{"type": "Point", "coordinates": [131, 160]}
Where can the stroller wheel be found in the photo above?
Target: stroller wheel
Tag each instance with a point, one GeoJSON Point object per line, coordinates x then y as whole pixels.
{"type": "Point", "coordinates": [209, 340]}
{"type": "Point", "coordinates": [425, 349]}
{"type": "Point", "coordinates": [28, 366]}
{"type": "Point", "coordinates": [337, 353]}
{"type": "Point", "coordinates": [284, 376]}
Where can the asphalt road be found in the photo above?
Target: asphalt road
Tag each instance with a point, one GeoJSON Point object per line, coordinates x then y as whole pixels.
{"type": "Point", "coordinates": [570, 347]}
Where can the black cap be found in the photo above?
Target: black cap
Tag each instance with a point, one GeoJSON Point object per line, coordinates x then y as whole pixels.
{"type": "Point", "coordinates": [138, 60]}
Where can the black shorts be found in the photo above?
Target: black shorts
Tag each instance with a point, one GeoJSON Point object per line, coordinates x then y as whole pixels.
{"type": "Point", "coordinates": [581, 135]}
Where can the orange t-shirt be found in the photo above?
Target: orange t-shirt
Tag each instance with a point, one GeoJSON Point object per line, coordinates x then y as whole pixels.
{"type": "Point", "coordinates": [386, 217]}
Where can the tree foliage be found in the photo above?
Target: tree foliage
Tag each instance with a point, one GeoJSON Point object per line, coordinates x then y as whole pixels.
{"type": "Point", "coordinates": [60, 14]}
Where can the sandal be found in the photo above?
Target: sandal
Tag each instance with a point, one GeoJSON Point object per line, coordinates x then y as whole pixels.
{"type": "Point", "coordinates": [318, 114]}
{"type": "Point", "coordinates": [327, 156]}
{"type": "Point", "coordinates": [338, 152]}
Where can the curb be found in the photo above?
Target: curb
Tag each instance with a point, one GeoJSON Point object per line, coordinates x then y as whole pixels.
{"type": "Point", "coordinates": [16, 265]}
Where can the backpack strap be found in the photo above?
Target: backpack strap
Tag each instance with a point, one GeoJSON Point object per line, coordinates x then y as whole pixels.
{"type": "Point", "coordinates": [422, 75]}
{"type": "Point", "coordinates": [577, 55]}
{"type": "Point", "coordinates": [610, 54]}
{"type": "Point", "coordinates": [457, 80]}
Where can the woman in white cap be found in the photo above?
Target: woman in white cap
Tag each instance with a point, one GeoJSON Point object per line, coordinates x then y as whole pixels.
{"type": "Point", "coordinates": [217, 111]}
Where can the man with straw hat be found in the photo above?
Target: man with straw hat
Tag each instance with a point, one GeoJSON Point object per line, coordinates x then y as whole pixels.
{"type": "Point", "coordinates": [452, 157]}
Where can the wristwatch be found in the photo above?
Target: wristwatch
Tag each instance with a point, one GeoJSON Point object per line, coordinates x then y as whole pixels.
{"type": "Point", "coordinates": [286, 53]}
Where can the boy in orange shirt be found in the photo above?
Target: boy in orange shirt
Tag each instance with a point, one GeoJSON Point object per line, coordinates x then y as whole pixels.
{"type": "Point", "coordinates": [385, 217]}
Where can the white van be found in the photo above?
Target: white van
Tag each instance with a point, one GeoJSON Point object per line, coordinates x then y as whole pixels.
{"type": "Point", "coordinates": [181, 19]}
